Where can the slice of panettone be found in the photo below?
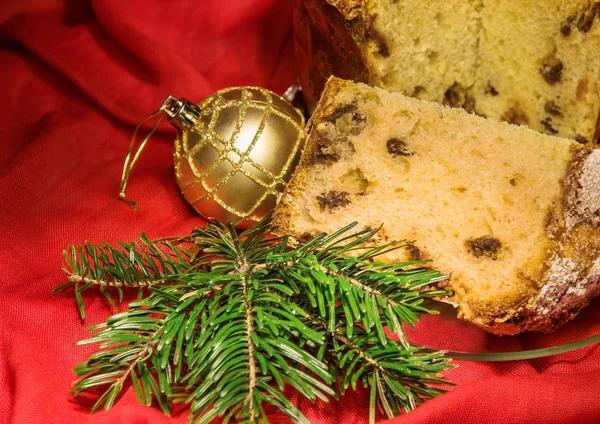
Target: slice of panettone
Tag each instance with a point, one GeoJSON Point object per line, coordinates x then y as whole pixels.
{"type": "Point", "coordinates": [513, 215]}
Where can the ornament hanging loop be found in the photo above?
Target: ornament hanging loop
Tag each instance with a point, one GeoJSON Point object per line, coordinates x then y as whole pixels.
{"type": "Point", "coordinates": [180, 113]}
{"type": "Point", "coordinates": [132, 158]}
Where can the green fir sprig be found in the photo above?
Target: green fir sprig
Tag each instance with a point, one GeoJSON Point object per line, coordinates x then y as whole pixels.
{"type": "Point", "coordinates": [137, 265]}
{"type": "Point", "coordinates": [227, 321]}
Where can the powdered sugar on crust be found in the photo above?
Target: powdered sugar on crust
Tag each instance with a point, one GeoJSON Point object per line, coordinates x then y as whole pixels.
{"type": "Point", "coordinates": [587, 206]}
{"type": "Point", "coordinates": [595, 271]}
{"type": "Point", "coordinates": [561, 277]}
{"type": "Point", "coordinates": [564, 292]}
{"type": "Point", "coordinates": [578, 289]}
{"type": "Point", "coordinates": [565, 287]}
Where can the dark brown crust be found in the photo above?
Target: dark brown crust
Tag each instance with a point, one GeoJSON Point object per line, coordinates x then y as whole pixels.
{"type": "Point", "coordinates": [350, 9]}
{"type": "Point", "coordinates": [571, 182]}
{"type": "Point", "coordinates": [325, 42]}
{"type": "Point", "coordinates": [596, 138]}
{"type": "Point", "coordinates": [546, 323]}
{"type": "Point", "coordinates": [582, 242]}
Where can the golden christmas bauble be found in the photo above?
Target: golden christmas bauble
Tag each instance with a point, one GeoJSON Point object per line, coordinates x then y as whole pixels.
{"type": "Point", "coordinates": [235, 152]}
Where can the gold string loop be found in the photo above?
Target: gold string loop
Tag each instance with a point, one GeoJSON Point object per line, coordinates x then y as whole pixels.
{"type": "Point", "coordinates": [131, 158]}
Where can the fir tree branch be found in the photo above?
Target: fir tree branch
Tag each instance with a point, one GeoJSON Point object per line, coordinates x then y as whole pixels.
{"type": "Point", "coordinates": [140, 339]}
{"type": "Point", "coordinates": [139, 265]}
{"type": "Point", "coordinates": [402, 376]}
{"type": "Point", "coordinates": [398, 306]}
{"type": "Point", "coordinates": [233, 320]}
{"type": "Point", "coordinates": [259, 355]}
{"type": "Point", "coordinates": [373, 293]}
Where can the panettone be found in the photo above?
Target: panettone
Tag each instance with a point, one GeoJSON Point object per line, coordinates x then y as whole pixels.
{"type": "Point", "coordinates": [525, 62]}
{"type": "Point", "coordinates": [512, 214]}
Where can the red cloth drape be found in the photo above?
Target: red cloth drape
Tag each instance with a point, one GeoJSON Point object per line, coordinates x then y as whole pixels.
{"type": "Point", "coordinates": [75, 78]}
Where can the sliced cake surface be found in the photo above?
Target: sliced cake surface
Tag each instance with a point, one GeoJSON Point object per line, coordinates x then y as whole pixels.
{"type": "Point", "coordinates": [513, 215]}
{"type": "Point", "coordinates": [524, 62]}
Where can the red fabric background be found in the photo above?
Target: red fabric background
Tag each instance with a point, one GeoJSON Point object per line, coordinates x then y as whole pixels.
{"type": "Point", "coordinates": [75, 77]}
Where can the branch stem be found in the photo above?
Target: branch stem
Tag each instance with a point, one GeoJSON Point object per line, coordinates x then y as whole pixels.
{"type": "Point", "coordinates": [355, 348]}
{"type": "Point", "coordinates": [249, 331]}
{"type": "Point", "coordinates": [76, 278]}
{"type": "Point", "coordinates": [137, 360]}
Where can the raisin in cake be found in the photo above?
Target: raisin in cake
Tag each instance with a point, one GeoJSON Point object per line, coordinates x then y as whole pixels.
{"type": "Point", "coordinates": [525, 62]}
{"type": "Point", "coordinates": [512, 214]}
